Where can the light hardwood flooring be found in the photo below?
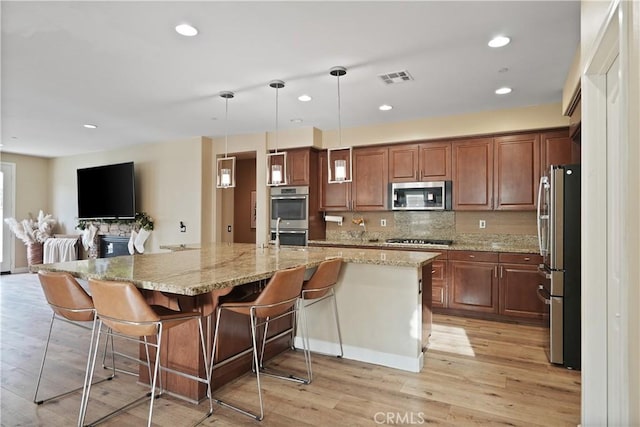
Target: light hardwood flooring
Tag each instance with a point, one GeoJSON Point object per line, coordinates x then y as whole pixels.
{"type": "Point", "coordinates": [476, 373]}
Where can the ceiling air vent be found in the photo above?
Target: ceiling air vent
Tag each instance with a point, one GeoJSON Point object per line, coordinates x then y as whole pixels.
{"type": "Point", "coordinates": [396, 77]}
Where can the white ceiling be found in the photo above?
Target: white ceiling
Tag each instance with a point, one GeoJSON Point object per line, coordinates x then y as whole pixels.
{"type": "Point", "coordinates": [121, 66]}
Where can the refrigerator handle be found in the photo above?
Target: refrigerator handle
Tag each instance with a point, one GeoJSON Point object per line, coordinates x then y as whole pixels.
{"type": "Point", "coordinates": [543, 295]}
{"type": "Point", "coordinates": [540, 188]}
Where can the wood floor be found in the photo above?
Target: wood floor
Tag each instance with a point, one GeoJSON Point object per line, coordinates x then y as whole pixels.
{"type": "Point", "coordinates": [476, 373]}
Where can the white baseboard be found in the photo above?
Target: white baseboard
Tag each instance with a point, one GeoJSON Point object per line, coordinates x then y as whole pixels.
{"type": "Point", "coordinates": [405, 363]}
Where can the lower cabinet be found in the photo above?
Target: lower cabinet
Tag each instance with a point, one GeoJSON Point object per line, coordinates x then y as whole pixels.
{"type": "Point", "coordinates": [501, 286]}
{"type": "Point", "coordinates": [439, 278]}
{"type": "Point", "coordinates": [473, 284]}
{"type": "Point", "coordinates": [519, 286]}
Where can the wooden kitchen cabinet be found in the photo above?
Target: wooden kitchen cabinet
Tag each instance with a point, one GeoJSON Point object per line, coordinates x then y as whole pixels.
{"type": "Point", "coordinates": [370, 179]}
{"type": "Point", "coordinates": [439, 286]}
{"type": "Point", "coordinates": [298, 166]}
{"type": "Point", "coordinates": [516, 171]}
{"type": "Point", "coordinates": [473, 281]}
{"type": "Point", "coordinates": [428, 161]}
{"type": "Point", "coordinates": [333, 197]}
{"type": "Point", "coordinates": [472, 169]}
{"type": "Point", "coordinates": [519, 280]}
{"type": "Point", "coordinates": [556, 148]}
{"type": "Point", "coordinates": [368, 190]}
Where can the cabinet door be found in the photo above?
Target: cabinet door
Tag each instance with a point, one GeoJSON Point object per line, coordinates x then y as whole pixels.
{"type": "Point", "coordinates": [439, 283]}
{"type": "Point", "coordinates": [518, 291]}
{"type": "Point", "coordinates": [298, 166]}
{"type": "Point", "coordinates": [333, 197]}
{"type": "Point", "coordinates": [435, 161]}
{"type": "Point", "coordinates": [473, 174]}
{"type": "Point", "coordinates": [370, 179]}
{"type": "Point", "coordinates": [517, 171]}
{"type": "Point", "coordinates": [403, 163]}
{"type": "Point", "coordinates": [556, 149]}
{"type": "Point", "coordinates": [473, 286]}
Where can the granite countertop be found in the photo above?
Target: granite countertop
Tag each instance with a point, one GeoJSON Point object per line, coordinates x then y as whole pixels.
{"type": "Point", "coordinates": [193, 270]}
{"type": "Point", "coordinates": [503, 246]}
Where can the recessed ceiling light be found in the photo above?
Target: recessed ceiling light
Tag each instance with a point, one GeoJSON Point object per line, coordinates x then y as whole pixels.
{"type": "Point", "coordinates": [186, 30]}
{"type": "Point", "coordinates": [90, 126]}
{"type": "Point", "coordinates": [503, 91]}
{"type": "Point", "coordinates": [385, 107]}
{"type": "Point", "coordinates": [499, 41]}
{"type": "Point", "coordinates": [296, 120]}
{"type": "Point", "coordinates": [304, 98]}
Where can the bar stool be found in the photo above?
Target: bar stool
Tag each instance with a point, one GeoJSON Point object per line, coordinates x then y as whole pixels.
{"type": "Point", "coordinates": [318, 288]}
{"type": "Point", "coordinates": [278, 299]}
{"type": "Point", "coordinates": [121, 307]}
{"type": "Point", "coordinates": [72, 304]}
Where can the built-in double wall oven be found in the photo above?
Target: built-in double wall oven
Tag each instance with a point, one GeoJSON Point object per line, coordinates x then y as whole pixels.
{"type": "Point", "coordinates": [290, 214]}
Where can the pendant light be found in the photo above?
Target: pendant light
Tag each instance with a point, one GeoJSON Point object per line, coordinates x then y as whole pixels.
{"type": "Point", "coordinates": [339, 160]}
{"type": "Point", "coordinates": [276, 161]}
{"type": "Point", "coordinates": [226, 166]}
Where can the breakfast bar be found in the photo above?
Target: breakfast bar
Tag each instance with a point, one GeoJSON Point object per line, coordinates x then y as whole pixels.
{"type": "Point", "coordinates": [383, 296]}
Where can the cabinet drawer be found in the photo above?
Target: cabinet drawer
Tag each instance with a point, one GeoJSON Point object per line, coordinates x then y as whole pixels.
{"type": "Point", "coordinates": [531, 259]}
{"type": "Point", "coordinates": [473, 256]}
{"type": "Point", "coordinates": [439, 271]}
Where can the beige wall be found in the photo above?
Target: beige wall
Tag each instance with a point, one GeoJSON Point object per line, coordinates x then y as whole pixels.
{"type": "Point", "coordinates": [175, 179]}
{"type": "Point", "coordinates": [34, 190]}
{"type": "Point", "coordinates": [169, 187]}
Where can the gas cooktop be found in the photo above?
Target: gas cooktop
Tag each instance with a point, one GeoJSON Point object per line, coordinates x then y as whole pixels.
{"type": "Point", "coordinates": [421, 241]}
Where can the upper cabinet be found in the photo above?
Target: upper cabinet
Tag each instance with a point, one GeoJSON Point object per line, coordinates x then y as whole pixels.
{"type": "Point", "coordinates": [472, 169]}
{"type": "Point", "coordinates": [557, 148]}
{"type": "Point", "coordinates": [516, 171]}
{"type": "Point", "coordinates": [498, 173]}
{"type": "Point", "coordinates": [298, 164]}
{"type": "Point", "coordinates": [367, 192]}
{"type": "Point", "coordinates": [428, 161]}
{"type": "Point", "coordinates": [370, 179]}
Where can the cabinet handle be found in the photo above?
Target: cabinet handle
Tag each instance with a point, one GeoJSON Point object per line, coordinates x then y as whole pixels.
{"type": "Point", "coordinates": [433, 272]}
{"type": "Point", "coordinates": [527, 258]}
{"type": "Point", "coordinates": [472, 256]}
{"type": "Point", "coordinates": [495, 271]}
{"type": "Point", "coordinates": [501, 268]}
{"type": "Point", "coordinates": [416, 174]}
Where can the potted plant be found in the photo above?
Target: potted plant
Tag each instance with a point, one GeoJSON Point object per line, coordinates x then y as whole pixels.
{"type": "Point", "coordinates": [33, 232]}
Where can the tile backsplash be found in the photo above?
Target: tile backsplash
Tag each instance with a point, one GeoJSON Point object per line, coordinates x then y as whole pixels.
{"type": "Point", "coordinates": [450, 225]}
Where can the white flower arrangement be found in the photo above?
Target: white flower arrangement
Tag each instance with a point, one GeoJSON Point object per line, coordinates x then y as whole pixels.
{"type": "Point", "coordinates": [33, 231]}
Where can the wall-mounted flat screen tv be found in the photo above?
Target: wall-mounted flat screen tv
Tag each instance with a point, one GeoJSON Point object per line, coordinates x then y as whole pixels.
{"type": "Point", "coordinates": [106, 192]}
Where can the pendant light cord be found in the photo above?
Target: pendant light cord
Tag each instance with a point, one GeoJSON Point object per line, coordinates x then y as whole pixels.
{"type": "Point", "coordinates": [339, 115]}
{"type": "Point", "coordinates": [226, 124]}
{"type": "Point", "coordinates": [277, 89]}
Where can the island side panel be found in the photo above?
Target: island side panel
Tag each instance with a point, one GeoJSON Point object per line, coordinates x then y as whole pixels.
{"type": "Point", "coordinates": [380, 310]}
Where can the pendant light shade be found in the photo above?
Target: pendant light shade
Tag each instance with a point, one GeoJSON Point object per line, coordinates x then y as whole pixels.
{"type": "Point", "coordinates": [226, 166]}
{"type": "Point", "coordinates": [339, 160]}
{"type": "Point", "coordinates": [276, 161]}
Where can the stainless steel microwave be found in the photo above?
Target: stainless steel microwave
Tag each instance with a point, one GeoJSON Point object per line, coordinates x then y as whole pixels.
{"type": "Point", "coordinates": [421, 196]}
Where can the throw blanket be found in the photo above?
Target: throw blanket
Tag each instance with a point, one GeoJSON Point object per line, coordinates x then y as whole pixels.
{"type": "Point", "coordinates": [59, 250]}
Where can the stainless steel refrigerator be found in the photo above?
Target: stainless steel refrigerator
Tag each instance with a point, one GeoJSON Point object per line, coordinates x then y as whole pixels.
{"type": "Point", "coordinates": [559, 240]}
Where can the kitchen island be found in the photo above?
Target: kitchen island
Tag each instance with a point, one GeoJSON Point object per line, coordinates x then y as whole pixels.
{"type": "Point", "coordinates": [384, 299]}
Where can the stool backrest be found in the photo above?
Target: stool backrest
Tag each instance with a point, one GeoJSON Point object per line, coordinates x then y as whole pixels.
{"type": "Point", "coordinates": [284, 285]}
{"type": "Point", "coordinates": [65, 296]}
{"type": "Point", "coordinates": [325, 276]}
{"type": "Point", "coordinates": [121, 306]}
